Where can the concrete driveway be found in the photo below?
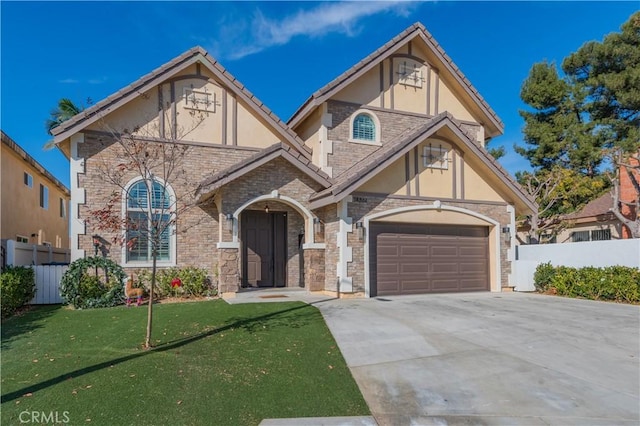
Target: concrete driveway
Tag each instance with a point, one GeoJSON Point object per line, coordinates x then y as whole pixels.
{"type": "Point", "coordinates": [491, 358]}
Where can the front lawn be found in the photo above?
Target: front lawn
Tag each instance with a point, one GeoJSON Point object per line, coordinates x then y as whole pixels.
{"type": "Point", "coordinates": [213, 364]}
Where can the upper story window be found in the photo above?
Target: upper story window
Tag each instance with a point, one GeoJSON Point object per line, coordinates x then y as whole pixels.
{"type": "Point", "coordinates": [365, 127]}
{"type": "Point", "coordinates": [44, 197]}
{"type": "Point", "coordinates": [63, 208]}
{"type": "Point", "coordinates": [145, 212]}
{"type": "Point", "coordinates": [436, 156]}
{"type": "Point", "coordinates": [28, 180]}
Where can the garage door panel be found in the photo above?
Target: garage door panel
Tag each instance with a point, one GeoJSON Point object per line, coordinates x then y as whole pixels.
{"type": "Point", "coordinates": [413, 259]}
{"type": "Point", "coordinates": [479, 268]}
{"type": "Point", "coordinates": [443, 251]}
{"type": "Point", "coordinates": [446, 268]}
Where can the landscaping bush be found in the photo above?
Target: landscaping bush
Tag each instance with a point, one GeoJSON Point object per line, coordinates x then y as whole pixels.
{"type": "Point", "coordinates": [543, 275]}
{"type": "Point", "coordinates": [617, 283]}
{"type": "Point", "coordinates": [195, 282]}
{"type": "Point", "coordinates": [83, 289]}
{"type": "Point", "coordinates": [17, 288]}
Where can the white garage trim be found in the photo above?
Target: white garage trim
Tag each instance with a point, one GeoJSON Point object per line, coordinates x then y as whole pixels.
{"type": "Point", "coordinates": [437, 205]}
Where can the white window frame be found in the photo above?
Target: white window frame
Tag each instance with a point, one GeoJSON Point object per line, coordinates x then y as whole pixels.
{"type": "Point", "coordinates": [376, 123]}
{"type": "Point", "coordinates": [22, 237]}
{"type": "Point", "coordinates": [172, 231]}
{"type": "Point", "coordinates": [29, 177]}
{"type": "Point", "coordinates": [439, 161]}
{"type": "Point", "coordinates": [44, 196]}
{"type": "Point", "coordinates": [63, 208]}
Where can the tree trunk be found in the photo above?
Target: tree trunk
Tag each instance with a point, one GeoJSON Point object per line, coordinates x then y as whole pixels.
{"type": "Point", "coordinates": [147, 342]}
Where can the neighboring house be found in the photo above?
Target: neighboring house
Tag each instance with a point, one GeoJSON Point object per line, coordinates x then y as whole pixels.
{"type": "Point", "coordinates": [593, 222]}
{"type": "Point", "coordinates": [34, 205]}
{"type": "Point", "coordinates": [379, 184]}
{"type": "Point", "coordinates": [629, 191]}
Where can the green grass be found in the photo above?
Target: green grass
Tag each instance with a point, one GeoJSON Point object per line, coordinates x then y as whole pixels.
{"type": "Point", "coordinates": [213, 364]}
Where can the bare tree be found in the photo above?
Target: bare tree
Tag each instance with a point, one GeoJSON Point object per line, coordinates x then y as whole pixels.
{"type": "Point", "coordinates": [161, 164]}
{"type": "Point", "coordinates": [627, 210]}
{"type": "Point", "coordinates": [543, 188]}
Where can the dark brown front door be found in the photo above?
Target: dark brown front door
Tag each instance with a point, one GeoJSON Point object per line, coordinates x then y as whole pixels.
{"type": "Point", "coordinates": [412, 259]}
{"type": "Point", "coordinates": [264, 237]}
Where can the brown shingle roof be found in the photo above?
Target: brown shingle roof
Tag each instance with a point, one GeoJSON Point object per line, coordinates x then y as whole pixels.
{"type": "Point", "coordinates": [371, 165]}
{"type": "Point", "coordinates": [415, 30]}
{"type": "Point", "coordinates": [144, 83]}
{"type": "Point", "coordinates": [598, 207]}
{"type": "Point", "coordinates": [277, 150]}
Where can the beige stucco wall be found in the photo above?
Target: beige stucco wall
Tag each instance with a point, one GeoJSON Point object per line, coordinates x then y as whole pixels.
{"type": "Point", "coordinates": [21, 211]}
{"type": "Point", "coordinates": [476, 187]}
{"type": "Point", "coordinates": [309, 132]}
{"type": "Point", "coordinates": [365, 90]}
{"type": "Point", "coordinates": [163, 111]}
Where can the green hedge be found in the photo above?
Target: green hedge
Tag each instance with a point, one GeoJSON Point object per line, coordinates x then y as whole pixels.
{"type": "Point", "coordinates": [618, 283]}
{"type": "Point", "coordinates": [17, 288]}
{"type": "Point", "coordinates": [195, 282]}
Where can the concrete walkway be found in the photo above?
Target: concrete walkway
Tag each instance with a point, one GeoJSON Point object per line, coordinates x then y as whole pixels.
{"type": "Point", "coordinates": [489, 358]}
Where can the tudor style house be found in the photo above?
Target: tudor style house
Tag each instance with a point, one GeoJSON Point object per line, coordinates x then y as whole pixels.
{"type": "Point", "coordinates": [379, 184]}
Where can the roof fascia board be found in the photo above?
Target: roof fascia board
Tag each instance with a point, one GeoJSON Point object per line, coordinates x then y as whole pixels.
{"type": "Point", "coordinates": [117, 103]}
{"type": "Point", "coordinates": [340, 193]}
{"type": "Point", "coordinates": [317, 99]}
{"type": "Point", "coordinates": [455, 72]}
{"type": "Point", "coordinates": [257, 105]}
{"type": "Point", "coordinates": [306, 169]}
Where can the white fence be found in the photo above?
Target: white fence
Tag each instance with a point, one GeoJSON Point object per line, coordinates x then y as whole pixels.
{"type": "Point", "coordinates": [22, 254]}
{"type": "Point", "coordinates": [577, 255]}
{"type": "Point", "coordinates": [48, 283]}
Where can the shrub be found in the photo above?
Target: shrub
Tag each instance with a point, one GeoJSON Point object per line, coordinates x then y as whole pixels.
{"type": "Point", "coordinates": [83, 289]}
{"type": "Point", "coordinates": [195, 282]}
{"type": "Point", "coordinates": [543, 276]}
{"type": "Point", "coordinates": [616, 283]}
{"type": "Point", "coordinates": [17, 288]}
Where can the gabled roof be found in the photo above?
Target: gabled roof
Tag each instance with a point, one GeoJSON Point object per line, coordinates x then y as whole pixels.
{"type": "Point", "coordinates": [380, 159]}
{"type": "Point", "coordinates": [415, 30]}
{"type": "Point", "coordinates": [278, 150]}
{"type": "Point", "coordinates": [13, 145]}
{"type": "Point", "coordinates": [164, 72]}
{"type": "Point", "coordinates": [599, 207]}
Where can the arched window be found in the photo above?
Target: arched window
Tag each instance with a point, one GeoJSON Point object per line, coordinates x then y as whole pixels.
{"type": "Point", "coordinates": [149, 208]}
{"type": "Point", "coordinates": [365, 127]}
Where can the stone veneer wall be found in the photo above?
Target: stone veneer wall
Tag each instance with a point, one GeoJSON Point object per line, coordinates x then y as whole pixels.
{"type": "Point", "coordinates": [277, 175]}
{"type": "Point", "coordinates": [197, 228]}
{"type": "Point", "coordinates": [345, 153]}
{"type": "Point", "coordinates": [374, 204]}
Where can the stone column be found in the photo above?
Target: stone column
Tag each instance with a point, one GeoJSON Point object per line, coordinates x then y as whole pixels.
{"type": "Point", "coordinates": [314, 269]}
{"type": "Point", "coordinates": [229, 278]}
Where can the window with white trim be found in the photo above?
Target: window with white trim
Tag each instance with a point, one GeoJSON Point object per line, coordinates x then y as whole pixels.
{"type": "Point", "coordinates": [364, 128]}
{"type": "Point", "coordinates": [28, 180]}
{"type": "Point", "coordinates": [44, 197]}
{"type": "Point", "coordinates": [22, 239]}
{"type": "Point", "coordinates": [63, 208]}
{"type": "Point", "coordinates": [436, 157]}
{"type": "Point", "coordinates": [143, 211]}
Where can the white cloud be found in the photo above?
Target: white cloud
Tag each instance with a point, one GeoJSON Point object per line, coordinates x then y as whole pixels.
{"type": "Point", "coordinates": [68, 81]}
{"type": "Point", "coordinates": [342, 17]}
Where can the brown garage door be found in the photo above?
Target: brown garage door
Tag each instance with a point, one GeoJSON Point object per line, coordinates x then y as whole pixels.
{"type": "Point", "coordinates": [413, 259]}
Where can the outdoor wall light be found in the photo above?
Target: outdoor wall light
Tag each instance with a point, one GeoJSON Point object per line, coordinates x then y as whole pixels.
{"type": "Point", "coordinates": [266, 208]}
{"type": "Point", "coordinates": [317, 225]}
{"type": "Point", "coordinates": [229, 220]}
{"type": "Point", "coordinates": [506, 231]}
{"type": "Point", "coordinates": [360, 230]}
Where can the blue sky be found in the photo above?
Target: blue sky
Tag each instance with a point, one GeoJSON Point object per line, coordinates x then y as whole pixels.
{"type": "Point", "coordinates": [81, 50]}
